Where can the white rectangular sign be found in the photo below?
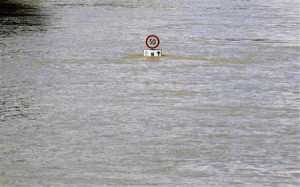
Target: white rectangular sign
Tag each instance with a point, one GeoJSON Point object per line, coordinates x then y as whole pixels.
{"type": "Point", "coordinates": [152, 52]}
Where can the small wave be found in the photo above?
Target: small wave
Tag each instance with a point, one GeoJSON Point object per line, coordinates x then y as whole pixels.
{"type": "Point", "coordinates": [123, 4]}
{"type": "Point", "coordinates": [289, 172]}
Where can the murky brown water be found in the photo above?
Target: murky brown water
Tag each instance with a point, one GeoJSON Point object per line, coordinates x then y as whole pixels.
{"type": "Point", "coordinates": [81, 106]}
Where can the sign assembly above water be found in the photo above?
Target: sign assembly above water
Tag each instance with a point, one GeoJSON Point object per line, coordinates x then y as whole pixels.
{"type": "Point", "coordinates": [152, 42]}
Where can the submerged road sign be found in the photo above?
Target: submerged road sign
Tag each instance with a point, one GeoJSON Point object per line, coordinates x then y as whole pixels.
{"type": "Point", "coordinates": [152, 42]}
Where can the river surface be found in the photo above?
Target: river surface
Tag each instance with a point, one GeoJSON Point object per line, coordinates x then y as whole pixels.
{"type": "Point", "coordinates": [81, 106]}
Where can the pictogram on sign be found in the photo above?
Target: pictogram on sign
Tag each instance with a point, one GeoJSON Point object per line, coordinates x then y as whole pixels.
{"type": "Point", "coordinates": [152, 52]}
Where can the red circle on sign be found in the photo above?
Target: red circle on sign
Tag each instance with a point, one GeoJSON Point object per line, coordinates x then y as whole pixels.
{"type": "Point", "coordinates": [149, 39]}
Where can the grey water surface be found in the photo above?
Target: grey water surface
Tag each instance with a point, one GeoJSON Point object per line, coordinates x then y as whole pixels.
{"type": "Point", "coordinates": [81, 106]}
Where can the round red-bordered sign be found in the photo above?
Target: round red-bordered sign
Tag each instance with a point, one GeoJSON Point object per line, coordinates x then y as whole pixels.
{"type": "Point", "coordinates": [152, 41]}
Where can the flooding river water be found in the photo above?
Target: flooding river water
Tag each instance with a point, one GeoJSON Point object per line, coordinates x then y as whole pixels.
{"type": "Point", "coordinates": [81, 106]}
